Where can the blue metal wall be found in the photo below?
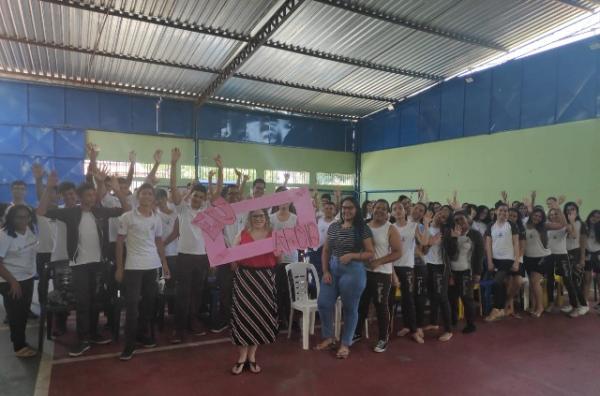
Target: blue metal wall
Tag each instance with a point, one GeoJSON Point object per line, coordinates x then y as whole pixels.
{"type": "Point", "coordinates": [557, 86]}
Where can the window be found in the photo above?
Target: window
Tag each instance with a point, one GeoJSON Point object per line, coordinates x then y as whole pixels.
{"type": "Point", "coordinates": [229, 175]}
{"type": "Point", "coordinates": [335, 179]}
{"type": "Point", "coordinates": [278, 177]}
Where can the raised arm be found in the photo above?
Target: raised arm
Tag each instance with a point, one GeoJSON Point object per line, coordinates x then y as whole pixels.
{"type": "Point", "coordinates": [114, 185]}
{"type": "Point", "coordinates": [38, 175]}
{"type": "Point", "coordinates": [100, 176]}
{"type": "Point", "coordinates": [245, 179]}
{"type": "Point", "coordinates": [151, 178]}
{"type": "Point", "coordinates": [45, 198]}
{"type": "Point", "coordinates": [219, 162]}
{"type": "Point", "coordinates": [175, 195]}
{"type": "Point", "coordinates": [131, 167]}
{"type": "Point", "coordinates": [238, 181]}
{"type": "Point", "coordinates": [286, 178]}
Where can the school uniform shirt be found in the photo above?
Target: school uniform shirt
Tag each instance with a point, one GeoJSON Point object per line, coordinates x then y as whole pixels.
{"type": "Point", "coordinates": [533, 244]}
{"type": "Point", "coordinates": [407, 236]}
{"type": "Point", "coordinates": [141, 233]}
{"type": "Point", "coordinates": [434, 254]}
{"type": "Point", "coordinates": [191, 240]}
{"type": "Point", "coordinates": [557, 241]}
{"type": "Point", "coordinates": [502, 243]}
{"type": "Point", "coordinates": [231, 231]}
{"type": "Point", "coordinates": [381, 243]}
{"type": "Point", "coordinates": [18, 254]}
{"type": "Point", "coordinates": [573, 242]}
{"type": "Point", "coordinates": [88, 247]}
{"type": "Point", "coordinates": [323, 226]}
{"type": "Point", "coordinates": [46, 234]}
{"type": "Point", "coordinates": [480, 226]}
{"type": "Point", "coordinates": [110, 201]}
{"type": "Point", "coordinates": [592, 244]}
{"type": "Point", "coordinates": [168, 223]}
{"type": "Point", "coordinates": [463, 257]}
{"type": "Point", "coordinates": [276, 224]}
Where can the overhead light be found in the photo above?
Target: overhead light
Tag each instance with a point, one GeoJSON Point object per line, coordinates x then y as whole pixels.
{"type": "Point", "coordinates": [390, 107]}
{"type": "Point", "coordinates": [469, 80]}
{"type": "Point", "coordinates": [595, 45]}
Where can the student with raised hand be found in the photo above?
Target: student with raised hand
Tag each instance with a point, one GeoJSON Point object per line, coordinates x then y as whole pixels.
{"type": "Point", "coordinates": [349, 245]}
{"type": "Point", "coordinates": [388, 248]}
{"type": "Point", "coordinates": [576, 244]}
{"type": "Point", "coordinates": [536, 252]}
{"type": "Point", "coordinates": [192, 261]}
{"type": "Point", "coordinates": [404, 273]}
{"type": "Point", "coordinates": [85, 249]}
{"type": "Point", "coordinates": [515, 279]}
{"type": "Point", "coordinates": [141, 229]}
{"type": "Point", "coordinates": [463, 250]}
{"type": "Point", "coordinates": [170, 235]}
{"type": "Point", "coordinates": [592, 250]}
{"type": "Point", "coordinates": [323, 224]}
{"type": "Point", "coordinates": [18, 245]}
{"type": "Point", "coordinates": [502, 252]}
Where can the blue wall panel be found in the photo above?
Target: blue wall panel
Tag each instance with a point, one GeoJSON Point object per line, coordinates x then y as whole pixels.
{"type": "Point", "coordinates": [538, 102]}
{"type": "Point", "coordinates": [69, 169]}
{"type": "Point", "coordinates": [82, 108]}
{"type": "Point", "coordinates": [37, 141]}
{"type": "Point", "coordinates": [13, 102]}
{"type": "Point", "coordinates": [143, 114]}
{"type": "Point", "coordinates": [576, 99]}
{"type": "Point", "coordinates": [409, 119]}
{"type": "Point", "coordinates": [477, 104]}
{"type": "Point", "coordinates": [46, 105]}
{"type": "Point", "coordinates": [176, 117]}
{"type": "Point", "coordinates": [10, 170]}
{"type": "Point", "coordinates": [506, 97]}
{"type": "Point", "coordinates": [453, 107]}
{"type": "Point", "coordinates": [28, 161]}
{"type": "Point", "coordinates": [429, 116]}
{"type": "Point", "coordinates": [115, 112]}
{"type": "Point", "coordinates": [69, 143]}
{"type": "Point", "coordinates": [391, 129]}
{"type": "Point", "coordinates": [10, 139]}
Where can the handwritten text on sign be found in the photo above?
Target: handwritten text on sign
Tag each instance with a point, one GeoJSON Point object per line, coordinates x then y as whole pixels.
{"type": "Point", "coordinates": [213, 220]}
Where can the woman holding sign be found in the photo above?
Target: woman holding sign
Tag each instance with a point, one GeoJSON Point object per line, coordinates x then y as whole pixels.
{"type": "Point", "coordinates": [348, 246]}
{"type": "Point", "coordinates": [254, 313]}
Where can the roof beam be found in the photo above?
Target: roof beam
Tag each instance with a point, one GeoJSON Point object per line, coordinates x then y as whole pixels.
{"type": "Point", "coordinates": [245, 38]}
{"type": "Point", "coordinates": [577, 4]}
{"type": "Point", "coordinates": [412, 24]}
{"type": "Point", "coordinates": [196, 68]}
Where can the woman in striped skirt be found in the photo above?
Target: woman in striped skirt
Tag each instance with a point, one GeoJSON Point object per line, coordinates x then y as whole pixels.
{"type": "Point", "coordinates": [254, 312]}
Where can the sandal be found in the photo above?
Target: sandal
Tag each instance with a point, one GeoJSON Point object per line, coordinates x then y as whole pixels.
{"type": "Point", "coordinates": [238, 368]}
{"type": "Point", "coordinates": [343, 353]}
{"type": "Point", "coordinates": [418, 338]}
{"type": "Point", "coordinates": [25, 352]}
{"type": "Point", "coordinates": [254, 368]}
{"type": "Point", "coordinates": [325, 345]}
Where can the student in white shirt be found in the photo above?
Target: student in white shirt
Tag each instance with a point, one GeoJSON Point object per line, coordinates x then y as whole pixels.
{"type": "Point", "coordinates": [592, 251]}
{"type": "Point", "coordinates": [141, 228]}
{"type": "Point", "coordinates": [192, 261]}
{"type": "Point", "coordinates": [18, 246]}
{"type": "Point", "coordinates": [323, 224]}
{"type": "Point", "coordinates": [576, 244]}
{"type": "Point", "coordinates": [170, 227]}
{"type": "Point", "coordinates": [388, 248]}
{"type": "Point", "coordinates": [536, 252]}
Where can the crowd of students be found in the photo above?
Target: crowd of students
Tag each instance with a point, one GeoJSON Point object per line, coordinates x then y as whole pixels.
{"type": "Point", "coordinates": [104, 235]}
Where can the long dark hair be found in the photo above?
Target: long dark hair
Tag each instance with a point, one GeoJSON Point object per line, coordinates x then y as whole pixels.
{"type": "Point", "coordinates": [358, 223]}
{"type": "Point", "coordinates": [540, 227]}
{"type": "Point", "coordinates": [519, 223]}
{"type": "Point", "coordinates": [566, 208]}
{"type": "Point", "coordinates": [9, 224]}
{"type": "Point", "coordinates": [594, 227]}
{"type": "Point", "coordinates": [480, 210]}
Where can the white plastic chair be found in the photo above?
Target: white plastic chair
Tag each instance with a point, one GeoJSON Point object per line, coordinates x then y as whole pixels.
{"type": "Point", "coordinates": [298, 281]}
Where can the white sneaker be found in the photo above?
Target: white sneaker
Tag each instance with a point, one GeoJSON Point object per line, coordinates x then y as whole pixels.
{"type": "Point", "coordinates": [566, 309]}
{"type": "Point", "coordinates": [574, 313]}
{"type": "Point", "coordinates": [582, 310]}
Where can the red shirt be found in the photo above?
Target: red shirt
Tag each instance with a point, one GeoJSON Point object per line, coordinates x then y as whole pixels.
{"type": "Point", "coordinates": [267, 260]}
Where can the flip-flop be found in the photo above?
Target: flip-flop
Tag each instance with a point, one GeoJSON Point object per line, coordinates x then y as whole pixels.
{"type": "Point", "coordinates": [324, 347]}
{"type": "Point", "coordinates": [238, 368]}
{"type": "Point", "coordinates": [254, 368]}
{"type": "Point", "coordinates": [342, 354]}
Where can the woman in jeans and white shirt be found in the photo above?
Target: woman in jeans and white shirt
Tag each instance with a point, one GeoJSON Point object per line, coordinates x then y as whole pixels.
{"type": "Point", "coordinates": [348, 246]}
{"type": "Point", "coordinates": [388, 248]}
{"type": "Point", "coordinates": [576, 244]}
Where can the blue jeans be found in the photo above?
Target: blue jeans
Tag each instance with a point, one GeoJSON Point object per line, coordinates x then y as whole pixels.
{"type": "Point", "coordinates": [348, 282]}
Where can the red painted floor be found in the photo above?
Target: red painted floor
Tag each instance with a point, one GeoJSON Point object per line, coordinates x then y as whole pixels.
{"type": "Point", "coordinates": [554, 355]}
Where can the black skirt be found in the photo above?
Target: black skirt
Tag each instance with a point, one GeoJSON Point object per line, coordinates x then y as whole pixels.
{"type": "Point", "coordinates": [254, 308]}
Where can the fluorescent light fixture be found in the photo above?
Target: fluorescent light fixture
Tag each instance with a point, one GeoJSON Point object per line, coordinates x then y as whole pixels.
{"type": "Point", "coordinates": [390, 107]}
{"type": "Point", "coordinates": [469, 80]}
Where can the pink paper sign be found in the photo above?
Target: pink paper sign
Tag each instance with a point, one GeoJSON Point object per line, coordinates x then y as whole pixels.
{"type": "Point", "coordinates": [213, 220]}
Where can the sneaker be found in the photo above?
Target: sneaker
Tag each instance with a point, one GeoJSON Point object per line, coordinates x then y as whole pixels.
{"type": "Point", "coordinates": [583, 310]}
{"type": "Point", "coordinates": [356, 338]}
{"type": "Point", "coordinates": [127, 353]}
{"type": "Point", "coordinates": [79, 349]}
{"type": "Point", "coordinates": [219, 329]}
{"type": "Point", "coordinates": [146, 342]}
{"type": "Point", "coordinates": [469, 328]}
{"type": "Point", "coordinates": [381, 346]}
{"type": "Point", "coordinates": [552, 309]}
{"type": "Point", "coordinates": [573, 314]}
{"type": "Point", "coordinates": [100, 340]}
{"type": "Point", "coordinates": [566, 309]}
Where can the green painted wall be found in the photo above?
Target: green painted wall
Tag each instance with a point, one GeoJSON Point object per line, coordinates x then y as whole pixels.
{"type": "Point", "coordinates": [554, 160]}
{"type": "Point", "coordinates": [116, 146]}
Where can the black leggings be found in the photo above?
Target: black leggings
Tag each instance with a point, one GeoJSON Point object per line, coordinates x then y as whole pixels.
{"type": "Point", "coordinates": [463, 288]}
{"type": "Point", "coordinates": [192, 271]}
{"type": "Point", "coordinates": [141, 291]}
{"type": "Point", "coordinates": [17, 311]}
{"type": "Point", "coordinates": [420, 293]}
{"type": "Point", "coordinates": [566, 268]}
{"type": "Point", "coordinates": [499, 287]}
{"type": "Point", "coordinates": [283, 291]}
{"type": "Point", "coordinates": [406, 277]}
{"type": "Point", "coordinates": [378, 291]}
{"type": "Point", "coordinates": [438, 295]}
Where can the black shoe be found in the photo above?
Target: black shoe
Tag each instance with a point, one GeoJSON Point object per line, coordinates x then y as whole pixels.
{"type": "Point", "coordinates": [356, 338]}
{"type": "Point", "coordinates": [146, 342]}
{"type": "Point", "coordinates": [219, 329]}
{"type": "Point", "coordinates": [100, 340]}
{"type": "Point", "coordinates": [127, 353]}
{"type": "Point", "coordinates": [469, 328]}
{"type": "Point", "coordinates": [79, 349]}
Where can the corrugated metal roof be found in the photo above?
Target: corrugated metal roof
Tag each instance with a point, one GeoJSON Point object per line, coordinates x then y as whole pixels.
{"type": "Point", "coordinates": [161, 44]}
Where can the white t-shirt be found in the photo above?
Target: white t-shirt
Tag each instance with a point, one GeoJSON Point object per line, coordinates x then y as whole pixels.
{"type": "Point", "coordinates": [573, 242]}
{"type": "Point", "coordinates": [465, 251]}
{"type": "Point", "coordinates": [88, 248]}
{"type": "Point", "coordinates": [59, 250]}
{"type": "Point", "coordinates": [141, 232]}
{"type": "Point", "coordinates": [557, 241]}
{"type": "Point", "coordinates": [168, 223]}
{"type": "Point", "coordinates": [381, 243]}
{"type": "Point", "coordinates": [191, 240]}
{"type": "Point", "coordinates": [323, 226]}
{"type": "Point", "coordinates": [231, 231]}
{"type": "Point", "coordinates": [18, 254]}
{"type": "Point", "coordinates": [502, 242]}
{"type": "Point", "coordinates": [407, 236]}
{"type": "Point", "coordinates": [592, 244]}
{"type": "Point", "coordinates": [110, 201]}
{"type": "Point", "coordinates": [479, 226]}
{"type": "Point", "coordinates": [276, 224]}
{"type": "Point", "coordinates": [434, 254]}
{"type": "Point", "coordinates": [46, 234]}
{"type": "Point", "coordinates": [533, 244]}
